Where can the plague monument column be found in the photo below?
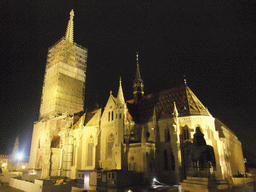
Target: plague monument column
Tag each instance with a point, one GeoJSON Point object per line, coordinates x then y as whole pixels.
{"type": "Point", "coordinates": [62, 97]}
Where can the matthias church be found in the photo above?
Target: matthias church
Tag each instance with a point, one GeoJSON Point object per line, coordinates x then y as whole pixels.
{"type": "Point", "coordinates": [145, 134]}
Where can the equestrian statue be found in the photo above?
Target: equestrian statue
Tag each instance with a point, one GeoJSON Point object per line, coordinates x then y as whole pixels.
{"type": "Point", "coordinates": [200, 155]}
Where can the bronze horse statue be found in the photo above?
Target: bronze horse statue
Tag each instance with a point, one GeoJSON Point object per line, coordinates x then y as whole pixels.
{"type": "Point", "coordinates": [201, 155]}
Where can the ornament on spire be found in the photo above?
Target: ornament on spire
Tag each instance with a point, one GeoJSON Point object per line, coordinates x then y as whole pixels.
{"type": "Point", "coordinates": [138, 86]}
{"type": "Point", "coordinates": [70, 34]}
{"type": "Point", "coordinates": [185, 80]}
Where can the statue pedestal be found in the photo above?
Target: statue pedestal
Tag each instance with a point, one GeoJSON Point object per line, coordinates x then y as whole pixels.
{"type": "Point", "coordinates": [206, 173]}
{"type": "Point", "coordinates": [202, 184]}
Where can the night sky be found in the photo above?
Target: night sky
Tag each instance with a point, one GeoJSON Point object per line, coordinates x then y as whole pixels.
{"type": "Point", "coordinates": [212, 42]}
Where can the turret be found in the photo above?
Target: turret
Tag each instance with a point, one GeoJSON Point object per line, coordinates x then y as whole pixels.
{"type": "Point", "coordinates": [138, 86]}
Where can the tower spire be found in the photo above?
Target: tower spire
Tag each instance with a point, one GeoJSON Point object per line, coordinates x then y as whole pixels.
{"type": "Point", "coordinates": [70, 34]}
{"type": "Point", "coordinates": [120, 94]}
{"type": "Point", "coordinates": [138, 87]}
{"type": "Point", "coordinates": [137, 76]}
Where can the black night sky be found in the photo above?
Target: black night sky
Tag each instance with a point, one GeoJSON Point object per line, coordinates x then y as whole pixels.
{"type": "Point", "coordinates": [212, 42]}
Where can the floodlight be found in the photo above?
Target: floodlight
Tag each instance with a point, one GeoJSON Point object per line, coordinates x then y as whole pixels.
{"type": "Point", "coordinates": [20, 156]}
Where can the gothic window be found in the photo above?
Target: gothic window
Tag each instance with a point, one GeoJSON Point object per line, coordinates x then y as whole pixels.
{"type": "Point", "coordinates": [167, 135]}
{"type": "Point", "coordinates": [135, 167]}
{"type": "Point", "coordinates": [39, 144]}
{"type": "Point", "coordinates": [130, 167]}
{"type": "Point", "coordinates": [165, 160]}
{"type": "Point", "coordinates": [90, 151]}
{"type": "Point", "coordinates": [116, 116]}
{"type": "Point", "coordinates": [39, 162]}
{"type": "Point", "coordinates": [185, 133]}
{"type": "Point", "coordinates": [108, 116]}
{"type": "Point", "coordinates": [110, 144]}
{"type": "Point", "coordinates": [112, 116]}
{"type": "Point", "coordinates": [73, 155]}
{"type": "Point", "coordinates": [172, 162]}
{"type": "Point", "coordinates": [120, 116]}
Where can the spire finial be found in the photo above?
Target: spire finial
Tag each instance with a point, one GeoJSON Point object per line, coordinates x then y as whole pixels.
{"type": "Point", "coordinates": [120, 80]}
{"type": "Point", "coordinates": [110, 92]}
{"type": "Point", "coordinates": [69, 33]}
{"type": "Point", "coordinates": [185, 81]}
{"type": "Point", "coordinates": [137, 57]}
{"type": "Point", "coordinates": [71, 14]}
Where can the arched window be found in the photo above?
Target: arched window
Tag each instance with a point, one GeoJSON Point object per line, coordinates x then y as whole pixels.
{"type": "Point", "coordinates": [108, 116]}
{"type": "Point", "coordinates": [112, 116]}
{"type": "Point", "coordinates": [39, 162]}
{"type": "Point", "coordinates": [110, 144]}
{"type": "Point", "coordinates": [90, 151]}
{"type": "Point", "coordinates": [165, 160]}
{"type": "Point", "coordinates": [130, 167]}
{"type": "Point", "coordinates": [186, 133]}
{"type": "Point", "coordinates": [167, 135]}
{"type": "Point", "coordinates": [172, 162]}
{"type": "Point", "coordinates": [135, 167]}
{"type": "Point", "coordinates": [120, 116]}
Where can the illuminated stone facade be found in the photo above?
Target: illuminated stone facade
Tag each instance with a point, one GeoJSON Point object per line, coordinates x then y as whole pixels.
{"type": "Point", "coordinates": [145, 134]}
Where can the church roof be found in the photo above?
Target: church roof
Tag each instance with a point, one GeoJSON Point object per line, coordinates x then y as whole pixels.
{"type": "Point", "coordinates": [186, 101]}
{"type": "Point", "coordinates": [85, 118]}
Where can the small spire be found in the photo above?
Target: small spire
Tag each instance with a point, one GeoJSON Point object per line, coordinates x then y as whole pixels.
{"type": "Point", "coordinates": [175, 111]}
{"type": "Point", "coordinates": [120, 94]}
{"type": "Point", "coordinates": [69, 33]}
{"type": "Point", "coordinates": [185, 81]}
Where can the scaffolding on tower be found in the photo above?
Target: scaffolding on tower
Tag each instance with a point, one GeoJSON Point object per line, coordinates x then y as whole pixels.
{"type": "Point", "coordinates": [64, 83]}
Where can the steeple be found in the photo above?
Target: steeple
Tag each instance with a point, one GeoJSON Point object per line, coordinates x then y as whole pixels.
{"type": "Point", "coordinates": [120, 94]}
{"type": "Point", "coordinates": [69, 34]}
{"type": "Point", "coordinates": [138, 87]}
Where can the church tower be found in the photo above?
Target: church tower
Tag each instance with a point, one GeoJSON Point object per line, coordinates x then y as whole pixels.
{"type": "Point", "coordinates": [138, 86]}
{"type": "Point", "coordinates": [64, 81]}
{"type": "Point", "coordinates": [62, 97]}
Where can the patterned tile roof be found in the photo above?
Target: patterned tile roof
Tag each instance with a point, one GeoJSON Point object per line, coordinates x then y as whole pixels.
{"type": "Point", "coordinates": [186, 101]}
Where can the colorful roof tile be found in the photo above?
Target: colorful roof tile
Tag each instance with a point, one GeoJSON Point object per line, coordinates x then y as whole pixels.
{"type": "Point", "coordinates": [186, 101]}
